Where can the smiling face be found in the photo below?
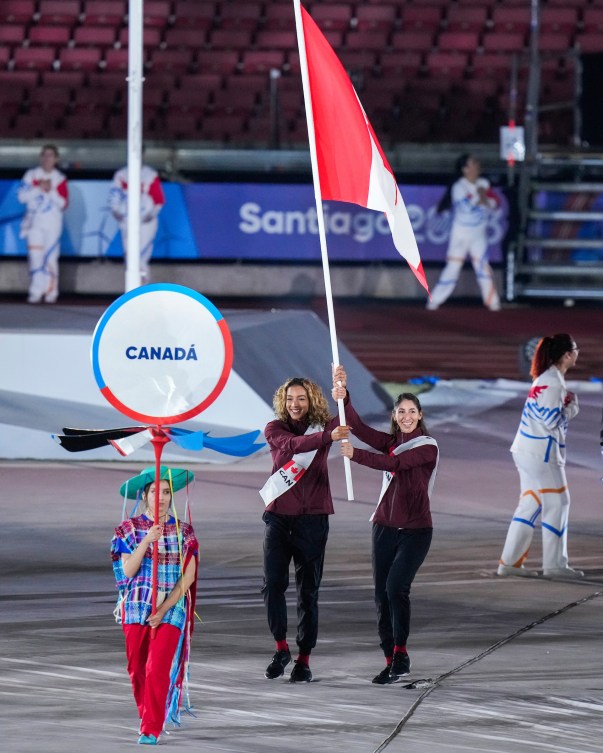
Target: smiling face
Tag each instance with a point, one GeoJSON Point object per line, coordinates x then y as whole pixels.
{"type": "Point", "coordinates": [407, 416]}
{"type": "Point", "coordinates": [48, 159]}
{"type": "Point", "coordinates": [297, 402]}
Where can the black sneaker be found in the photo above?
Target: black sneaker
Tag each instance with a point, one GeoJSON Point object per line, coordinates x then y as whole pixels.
{"type": "Point", "coordinates": [399, 667]}
{"type": "Point", "coordinates": [276, 668]}
{"type": "Point", "coordinates": [300, 673]}
{"type": "Point", "coordinates": [383, 678]}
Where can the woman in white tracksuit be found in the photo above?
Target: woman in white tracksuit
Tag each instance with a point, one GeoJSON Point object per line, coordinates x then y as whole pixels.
{"type": "Point", "coordinates": [539, 454]}
{"type": "Point", "coordinates": [44, 192]}
{"type": "Point", "coordinates": [472, 202]}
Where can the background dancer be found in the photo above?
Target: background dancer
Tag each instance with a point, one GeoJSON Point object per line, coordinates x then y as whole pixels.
{"type": "Point", "coordinates": [152, 200]}
{"type": "Point", "coordinates": [539, 455]}
{"type": "Point", "coordinates": [157, 664]}
{"type": "Point", "coordinates": [298, 504]}
{"type": "Point", "coordinates": [402, 525]}
{"type": "Point", "coordinates": [472, 201]}
{"type": "Point", "coordinates": [45, 194]}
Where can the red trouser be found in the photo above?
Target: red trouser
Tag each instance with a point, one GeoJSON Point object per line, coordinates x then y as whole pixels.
{"type": "Point", "coordinates": [149, 664]}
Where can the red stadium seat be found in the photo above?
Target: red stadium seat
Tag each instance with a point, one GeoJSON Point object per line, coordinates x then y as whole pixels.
{"type": "Point", "coordinates": [375, 41]}
{"type": "Point", "coordinates": [17, 11]}
{"type": "Point", "coordinates": [404, 65]}
{"type": "Point", "coordinates": [225, 104]}
{"type": "Point", "coordinates": [466, 18]}
{"type": "Point", "coordinates": [187, 100]}
{"type": "Point", "coordinates": [4, 56]}
{"type": "Point", "coordinates": [65, 79]}
{"type": "Point", "coordinates": [276, 40]}
{"type": "Point", "coordinates": [94, 36]}
{"type": "Point", "coordinates": [461, 41]}
{"type": "Point", "coordinates": [510, 19]}
{"type": "Point", "coordinates": [175, 60]}
{"type": "Point", "coordinates": [230, 39]}
{"type": "Point", "coordinates": [558, 20]}
{"type": "Point", "coordinates": [553, 42]}
{"type": "Point", "coordinates": [88, 100]}
{"type": "Point", "coordinates": [39, 58]}
{"type": "Point", "coordinates": [12, 34]}
{"type": "Point", "coordinates": [356, 61]}
{"type": "Point", "coordinates": [195, 13]}
{"type": "Point", "coordinates": [24, 79]}
{"type": "Point", "coordinates": [49, 36]}
{"type": "Point", "coordinates": [182, 37]}
{"type": "Point", "coordinates": [421, 18]}
{"type": "Point", "coordinates": [218, 61]}
{"type": "Point", "coordinates": [179, 125]}
{"type": "Point", "coordinates": [240, 15]}
{"type": "Point", "coordinates": [86, 125]}
{"type": "Point", "coordinates": [592, 20]}
{"type": "Point", "coordinates": [329, 16]}
{"type": "Point", "coordinates": [258, 61]}
{"type": "Point", "coordinates": [156, 13]}
{"type": "Point", "coordinates": [116, 60]}
{"type": "Point", "coordinates": [449, 64]}
{"type": "Point", "coordinates": [419, 41]}
{"type": "Point", "coordinates": [200, 82]}
{"type": "Point", "coordinates": [222, 128]}
{"type": "Point", "coordinates": [105, 12]}
{"type": "Point", "coordinates": [80, 59]}
{"type": "Point", "coordinates": [591, 42]}
{"type": "Point", "coordinates": [374, 18]}
{"type": "Point", "coordinates": [59, 12]}
{"type": "Point", "coordinates": [503, 42]}
{"type": "Point", "coordinates": [279, 17]}
{"type": "Point", "coordinates": [492, 65]}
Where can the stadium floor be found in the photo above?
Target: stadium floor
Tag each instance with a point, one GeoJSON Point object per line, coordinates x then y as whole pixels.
{"type": "Point", "coordinates": [499, 665]}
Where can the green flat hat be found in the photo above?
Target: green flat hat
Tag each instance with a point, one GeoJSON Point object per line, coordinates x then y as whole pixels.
{"type": "Point", "coordinates": [180, 478]}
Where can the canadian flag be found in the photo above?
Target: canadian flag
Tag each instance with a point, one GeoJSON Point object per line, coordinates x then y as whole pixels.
{"type": "Point", "coordinates": [351, 164]}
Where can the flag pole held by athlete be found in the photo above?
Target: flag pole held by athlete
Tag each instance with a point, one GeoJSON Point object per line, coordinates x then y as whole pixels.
{"type": "Point", "coordinates": [347, 161]}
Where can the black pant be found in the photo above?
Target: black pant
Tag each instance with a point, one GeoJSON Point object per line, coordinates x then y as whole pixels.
{"type": "Point", "coordinates": [303, 538]}
{"type": "Point", "coordinates": [397, 556]}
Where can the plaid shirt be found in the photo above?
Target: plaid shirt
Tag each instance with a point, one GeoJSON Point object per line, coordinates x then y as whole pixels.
{"type": "Point", "coordinates": [134, 601]}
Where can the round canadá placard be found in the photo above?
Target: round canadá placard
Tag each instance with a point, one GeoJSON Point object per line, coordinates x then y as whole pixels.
{"type": "Point", "coordinates": [161, 353]}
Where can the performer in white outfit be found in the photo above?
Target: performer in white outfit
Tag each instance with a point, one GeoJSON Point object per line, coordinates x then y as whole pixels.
{"type": "Point", "coordinates": [152, 200]}
{"type": "Point", "coordinates": [472, 201]}
{"type": "Point", "coordinates": [539, 455]}
{"type": "Point", "coordinates": [45, 194]}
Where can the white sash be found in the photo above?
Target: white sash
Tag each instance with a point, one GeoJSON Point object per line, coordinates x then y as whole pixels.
{"type": "Point", "coordinates": [410, 445]}
{"type": "Point", "coordinates": [287, 476]}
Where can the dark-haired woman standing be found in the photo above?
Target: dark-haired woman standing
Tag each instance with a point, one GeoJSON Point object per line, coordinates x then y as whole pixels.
{"type": "Point", "coordinates": [402, 527]}
{"type": "Point", "coordinates": [539, 454]}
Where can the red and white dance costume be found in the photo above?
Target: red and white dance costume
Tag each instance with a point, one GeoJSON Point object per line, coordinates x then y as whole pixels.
{"type": "Point", "coordinates": [539, 455]}
{"type": "Point", "coordinates": [42, 227]}
{"type": "Point", "coordinates": [468, 235]}
{"type": "Point", "coordinates": [152, 200]}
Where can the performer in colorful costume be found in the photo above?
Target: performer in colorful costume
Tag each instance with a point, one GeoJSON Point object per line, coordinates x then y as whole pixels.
{"type": "Point", "coordinates": [402, 525]}
{"type": "Point", "coordinates": [472, 202]}
{"type": "Point", "coordinates": [44, 191]}
{"type": "Point", "coordinates": [157, 646]}
{"type": "Point", "coordinates": [152, 200]}
{"type": "Point", "coordinates": [539, 455]}
{"type": "Point", "coordinates": [298, 504]}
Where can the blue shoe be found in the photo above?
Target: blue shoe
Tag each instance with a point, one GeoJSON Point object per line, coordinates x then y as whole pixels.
{"type": "Point", "coordinates": [147, 740]}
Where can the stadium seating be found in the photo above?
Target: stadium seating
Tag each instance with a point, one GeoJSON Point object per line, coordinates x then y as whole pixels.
{"type": "Point", "coordinates": [208, 62]}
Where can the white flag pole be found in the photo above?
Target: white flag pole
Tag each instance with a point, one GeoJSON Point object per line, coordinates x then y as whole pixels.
{"type": "Point", "coordinates": [135, 79]}
{"type": "Point", "coordinates": [301, 43]}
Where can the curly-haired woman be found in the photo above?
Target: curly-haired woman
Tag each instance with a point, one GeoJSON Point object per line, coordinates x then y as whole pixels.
{"type": "Point", "coordinates": [298, 504]}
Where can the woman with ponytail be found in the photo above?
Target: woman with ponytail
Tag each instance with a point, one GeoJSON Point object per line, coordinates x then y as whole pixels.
{"type": "Point", "coordinates": [539, 455]}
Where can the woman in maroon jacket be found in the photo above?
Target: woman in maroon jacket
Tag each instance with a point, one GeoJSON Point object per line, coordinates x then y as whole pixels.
{"type": "Point", "coordinates": [402, 526]}
{"type": "Point", "coordinates": [298, 504]}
